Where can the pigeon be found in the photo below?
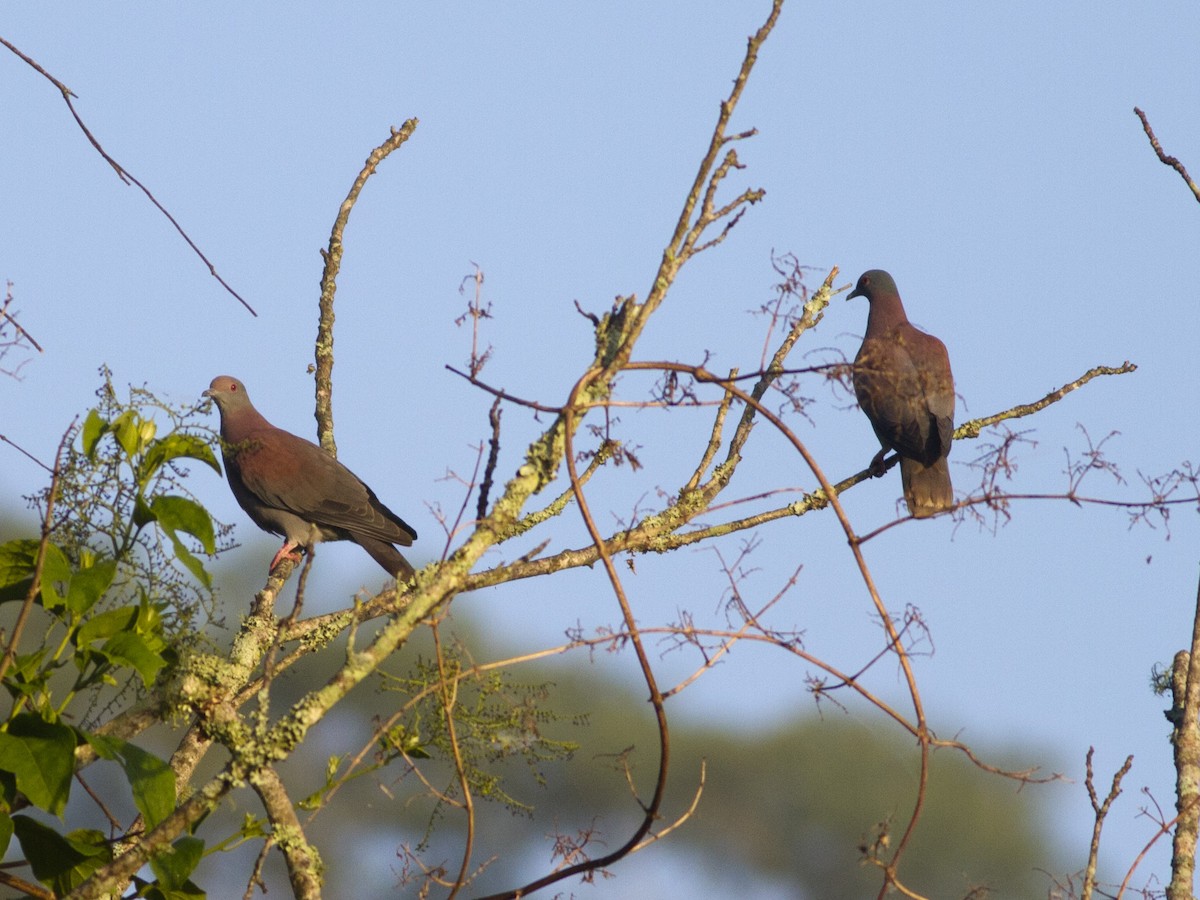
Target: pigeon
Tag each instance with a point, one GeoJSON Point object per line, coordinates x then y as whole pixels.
{"type": "Point", "coordinates": [291, 487]}
{"type": "Point", "coordinates": [903, 383]}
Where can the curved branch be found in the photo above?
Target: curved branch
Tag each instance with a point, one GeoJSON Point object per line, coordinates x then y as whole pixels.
{"type": "Point", "coordinates": [651, 809]}
{"type": "Point", "coordinates": [448, 691]}
{"type": "Point", "coordinates": [333, 262]}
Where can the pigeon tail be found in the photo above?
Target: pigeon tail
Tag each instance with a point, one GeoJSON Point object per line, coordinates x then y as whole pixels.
{"type": "Point", "coordinates": [387, 556]}
{"type": "Point", "coordinates": [927, 489]}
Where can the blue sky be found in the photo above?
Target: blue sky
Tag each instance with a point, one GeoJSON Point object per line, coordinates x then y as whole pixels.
{"type": "Point", "coordinates": [988, 157]}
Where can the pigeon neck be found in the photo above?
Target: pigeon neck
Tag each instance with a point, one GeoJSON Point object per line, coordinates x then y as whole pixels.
{"type": "Point", "coordinates": [886, 313]}
{"type": "Point", "coordinates": [243, 422]}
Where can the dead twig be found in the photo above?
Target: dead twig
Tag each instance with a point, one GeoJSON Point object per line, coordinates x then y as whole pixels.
{"type": "Point", "coordinates": [1167, 160]}
{"type": "Point", "coordinates": [123, 173]}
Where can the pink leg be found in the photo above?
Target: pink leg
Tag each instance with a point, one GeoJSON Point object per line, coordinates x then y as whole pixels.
{"type": "Point", "coordinates": [287, 551]}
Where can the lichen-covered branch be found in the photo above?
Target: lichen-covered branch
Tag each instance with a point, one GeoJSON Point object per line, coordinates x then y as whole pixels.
{"type": "Point", "coordinates": [1185, 690]}
{"type": "Point", "coordinates": [333, 263]}
{"type": "Point", "coordinates": [208, 686]}
{"type": "Point", "coordinates": [303, 861]}
{"type": "Point", "coordinates": [972, 428]}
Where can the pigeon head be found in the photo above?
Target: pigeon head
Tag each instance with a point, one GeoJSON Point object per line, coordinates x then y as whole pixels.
{"type": "Point", "coordinates": [871, 284]}
{"type": "Point", "coordinates": [228, 393]}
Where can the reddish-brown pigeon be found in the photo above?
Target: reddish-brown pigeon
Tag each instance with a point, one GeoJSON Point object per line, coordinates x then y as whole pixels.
{"type": "Point", "coordinates": [903, 383]}
{"type": "Point", "coordinates": [293, 488]}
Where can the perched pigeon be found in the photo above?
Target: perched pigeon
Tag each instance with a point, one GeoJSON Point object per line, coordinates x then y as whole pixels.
{"type": "Point", "coordinates": [903, 383]}
{"type": "Point", "coordinates": [293, 488]}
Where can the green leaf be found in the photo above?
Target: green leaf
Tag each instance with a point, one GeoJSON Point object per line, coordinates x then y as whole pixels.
{"type": "Point", "coordinates": [6, 832]}
{"type": "Point", "coordinates": [26, 677]}
{"type": "Point", "coordinates": [42, 757]}
{"type": "Point", "coordinates": [151, 779]}
{"type": "Point", "coordinates": [191, 562]}
{"type": "Point", "coordinates": [94, 427]}
{"type": "Point", "coordinates": [89, 584]}
{"type": "Point", "coordinates": [175, 514]}
{"type": "Point", "coordinates": [62, 862]}
{"type": "Point", "coordinates": [142, 513]}
{"type": "Point", "coordinates": [181, 514]}
{"type": "Point", "coordinates": [173, 868]}
{"type": "Point", "coordinates": [106, 624]}
{"type": "Point", "coordinates": [407, 740]}
{"type": "Point", "coordinates": [56, 570]}
{"type": "Point", "coordinates": [17, 561]}
{"type": "Point", "coordinates": [175, 446]}
{"type": "Point", "coordinates": [147, 429]}
{"type": "Point", "coordinates": [127, 429]}
{"type": "Point", "coordinates": [132, 637]}
{"type": "Point", "coordinates": [137, 652]}
{"type": "Point", "coordinates": [189, 891]}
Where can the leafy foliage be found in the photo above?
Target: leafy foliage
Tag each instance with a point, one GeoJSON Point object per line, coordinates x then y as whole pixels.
{"type": "Point", "coordinates": [123, 477]}
{"type": "Point", "coordinates": [112, 589]}
{"type": "Point", "coordinates": [495, 718]}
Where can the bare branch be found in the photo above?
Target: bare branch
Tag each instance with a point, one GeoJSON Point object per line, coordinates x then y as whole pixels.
{"type": "Point", "coordinates": [449, 696]}
{"type": "Point", "coordinates": [333, 263]}
{"type": "Point", "coordinates": [489, 470]}
{"type": "Point", "coordinates": [972, 428]}
{"type": "Point", "coordinates": [35, 584]}
{"type": "Point", "coordinates": [22, 334]}
{"type": "Point", "coordinates": [1167, 160]}
{"type": "Point", "coordinates": [1101, 811]}
{"type": "Point", "coordinates": [124, 173]}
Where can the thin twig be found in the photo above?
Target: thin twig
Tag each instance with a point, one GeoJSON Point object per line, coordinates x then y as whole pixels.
{"type": "Point", "coordinates": [683, 817]}
{"type": "Point", "coordinates": [1167, 160]}
{"type": "Point", "coordinates": [1164, 828]}
{"type": "Point", "coordinates": [449, 696]}
{"type": "Point", "coordinates": [1101, 813]}
{"type": "Point", "coordinates": [489, 470]}
{"type": "Point", "coordinates": [124, 173]}
{"type": "Point", "coordinates": [4, 313]}
{"type": "Point", "coordinates": [26, 453]}
{"type": "Point", "coordinates": [27, 888]}
{"type": "Point", "coordinates": [35, 585]}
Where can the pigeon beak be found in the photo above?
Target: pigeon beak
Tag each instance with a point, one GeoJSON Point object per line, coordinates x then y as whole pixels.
{"type": "Point", "coordinates": [855, 293]}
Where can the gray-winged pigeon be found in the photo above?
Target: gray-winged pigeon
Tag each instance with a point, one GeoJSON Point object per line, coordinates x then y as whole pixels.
{"type": "Point", "coordinates": [903, 383]}
{"type": "Point", "coordinates": [291, 487]}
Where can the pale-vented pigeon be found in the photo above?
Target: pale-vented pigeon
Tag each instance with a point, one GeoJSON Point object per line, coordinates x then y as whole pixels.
{"type": "Point", "coordinates": [293, 488]}
{"type": "Point", "coordinates": [903, 383]}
